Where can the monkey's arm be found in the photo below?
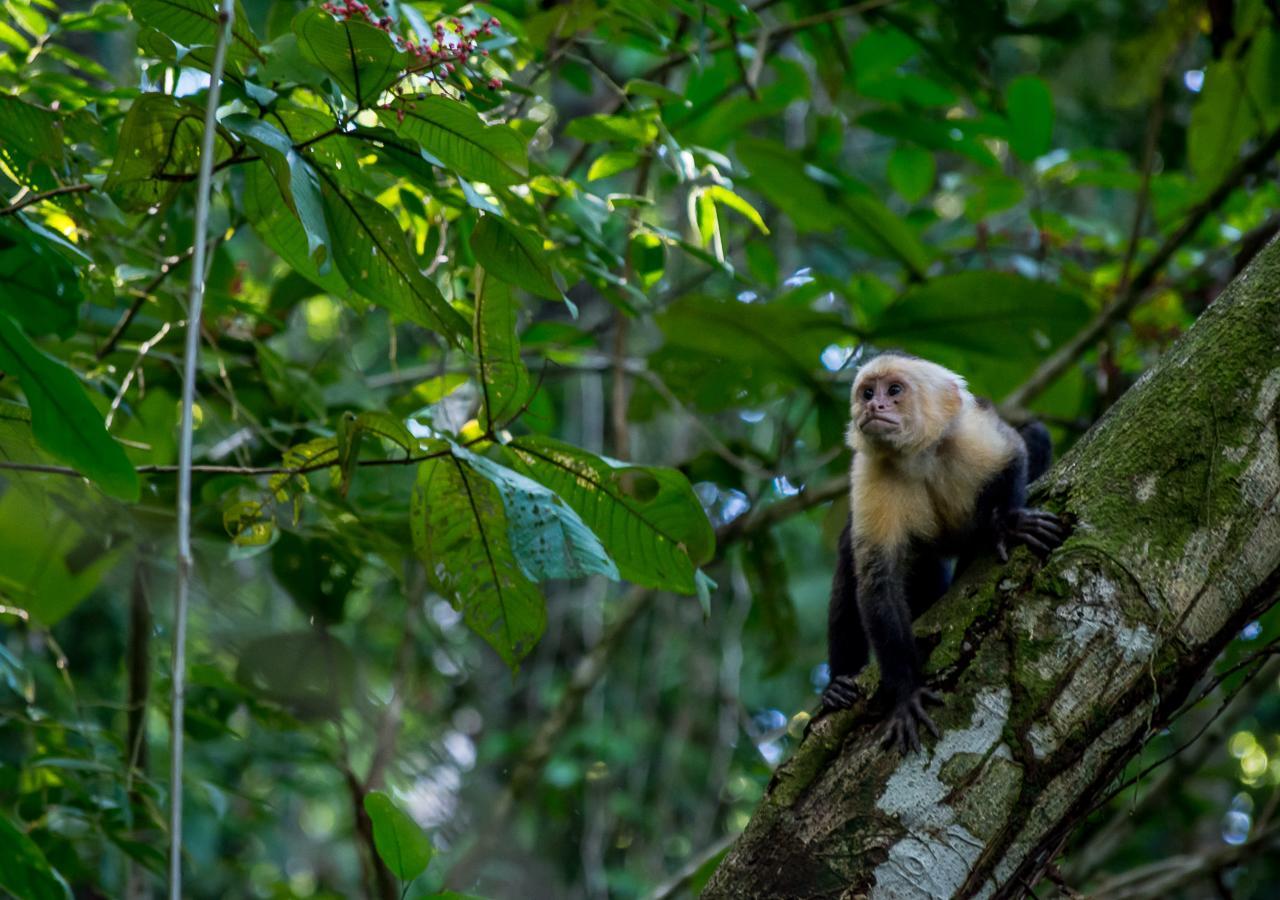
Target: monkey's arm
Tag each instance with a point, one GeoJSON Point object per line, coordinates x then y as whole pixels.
{"type": "Point", "coordinates": [1003, 517]}
{"type": "Point", "coordinates": [846, 641]}
{"type": "Point", "coordinates": [886, 617]}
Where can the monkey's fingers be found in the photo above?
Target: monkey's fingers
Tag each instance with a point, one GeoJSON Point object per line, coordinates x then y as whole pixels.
{"type": "Point", "coordinates": [929, 696]}
{"type": "Point", "coordinates": [840, 693]}
{"type": "Point", "coordinates": [1031, 540]}
{"type": "Point", "coordinates": [1002, 549]}
{"type": "Point", "coordinates": [918, 708]}
{"type": "Point", "coordinates": [902, 733]}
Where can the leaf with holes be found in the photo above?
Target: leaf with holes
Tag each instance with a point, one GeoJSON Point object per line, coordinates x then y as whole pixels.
{"type": "Point", "coordinates": [504, 380]}
{"type": "Point", "coordinates": [400, 843]}
{"type": "Point", "coordinates": [515, 255]}
{"type": "Point", "coordinates": [459, 527]}
{"type": "Point", "coordinates": [647, 517]}
{"type": "Point", "coordinates": [159, 150]}
{"type": "Point", "coordinates": [550, 539]}
{"type": "Point", "coordinates": [455, 135]}
{"type": "Point", "coordinates": [361, 58]}
{"type": "Point", "coordinates": [63, 420]}
{"type": "Point", "coordinates": [373, 256]}
{"type": "Point", "coordinates": [194, 23]}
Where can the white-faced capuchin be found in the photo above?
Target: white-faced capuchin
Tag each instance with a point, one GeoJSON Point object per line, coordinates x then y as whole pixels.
{"type": "Point", "coordinates": [937, 476]}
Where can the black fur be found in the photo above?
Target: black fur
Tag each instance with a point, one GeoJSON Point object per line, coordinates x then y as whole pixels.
{"type": "Point", "coordinates": [878, 603]}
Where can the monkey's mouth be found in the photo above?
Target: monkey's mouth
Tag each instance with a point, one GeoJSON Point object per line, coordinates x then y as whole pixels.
{"type": "Point", "coordinates": [880, 425]}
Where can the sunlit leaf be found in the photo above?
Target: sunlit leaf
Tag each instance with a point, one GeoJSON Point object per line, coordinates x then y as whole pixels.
{"type": "Point", "coordinates": [504, 380]}
{"type": "Point", "coordinates": [515, 255]}
{"type": "Point", "coordinates": [195, 23]}
{"type": "Point", "coordinates": [454, 134]}
{"type": "Point", "coordinates": [24, 870]}
{"type": "Point", "coordinates": [361, 58]}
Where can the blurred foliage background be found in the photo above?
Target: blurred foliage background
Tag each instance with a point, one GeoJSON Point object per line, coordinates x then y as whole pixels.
{"type": "Point", "coordinates": [515, 244]}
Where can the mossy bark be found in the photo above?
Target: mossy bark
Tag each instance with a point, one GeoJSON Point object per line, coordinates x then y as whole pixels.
{"type": "Point", "coordinates": [1055, 675]}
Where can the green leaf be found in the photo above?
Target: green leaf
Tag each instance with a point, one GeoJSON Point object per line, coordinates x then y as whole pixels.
{"type": "Point", "coordinates": [39, 288]}
{"type": "Point", "coordinates": [932, 133]}
{"type": "Point", "coordinates": [611, 163]}
{"type": "Point", "coordinates": [993, 326]}
{"type": "Point", "coordinates": [298, 182]}
{"type": "Point", "coordinates": [875, 228]}
{"type": "Point", "coordinates": [280, 229]}
{"type": "Point", "coordinates": [352, 427]}
{"type": "Point", "coordinates": [159, 151]}
{"type": "Point", "coordinates": [504, 381]}
{"type": "Point", "coordinates": [459, 527]}
{"type": "Point", "coordinates": [550, 539]}
{"type": "Point", "coordinates": [454, 134]}
{"type": "Point", "coordinates": [194, 23]}
{"type": "Point", "coordinates": [362, 59]}
{"type": "Point", "coordinates": [24, 871]}
{"type": "Point", "coordinates": [374, 257]}
{"type": "Point", "coordinates": [911, 172]}
{"type": "Point", "coordinates": [515, 255]}
{"type": "Point", "coordinates": [636, 128]}
{"type": "Point", "coordinates": [648, 518]}
{"type": "Point", "coordinates": [778, 174]}
{"type": "Point", "coordinates": [401, 844]}
{"type": "Point", "coordinates": [722, 195]}
{"type": "Point", "coordinates": [1030, 109]}
{"type": "Point", "coordinates": [30, 132]}
{"type": "Point", "coordinates": [63, 420]}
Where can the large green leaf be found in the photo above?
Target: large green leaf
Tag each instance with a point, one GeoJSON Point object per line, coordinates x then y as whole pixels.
{"type": "Point", "coordinates": [550, 539]}
{"type": "Point", "coordinates": [778, 174]}
{"type": "Point", "coordinates": [911, 172]}
{"type": "Point", "coordinates": [298, 182]}
{"type": "Point", "coordinates": [194, 23]}
{"type": "Point", "coordinates": [401, 844]}
{"type": "Point", "coordinates": [459, 527]}
{"type": "Point", "coordinates": [453, 133]}
{"type": "Point", "coordinates": [269, 214]}
{"type": "Point", "coordinates": [993, 326]}
{"type": "Point", "coordinates": [1240, 96]}
{"type": "Point", "coordinates": [647, 517]}
{"type": "Point", "coordinates": [362, 59]}
{"type": "Point", "coordinates": [39, 288]}
{"type": "Point", "coordinates": [63, 420]}
{"type": "Point", "coordinates": [30, 133]}
{"type": "Point", "coordinates": [515, 255]}
{"type": "Point", "coordinates": [159, 150]}
{"type": "Point", "coordinates": [504, 380]}
{"type": "Point", "coordinates": [24, 871]}
{"type": "Point", "coordinates": [1030, 109]}
{"type": "Point", "coordinates": [875, 228]}
{"type": "Point", "coordinates": [374, 257]}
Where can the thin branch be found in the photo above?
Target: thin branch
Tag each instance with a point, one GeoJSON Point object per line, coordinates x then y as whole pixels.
{"type": "Point", "coordinates": [44, 195]}
{"type": "Point", "coordinates": [313, 466]}
{"type": "Point", "coordinates": [674, 885]}
{"type": "Point", "coordinates": [1068, 353]}
{"type": "Point", "coordinates": [204, 186]}
{"type": "Point", "coordinates": [144, 294]}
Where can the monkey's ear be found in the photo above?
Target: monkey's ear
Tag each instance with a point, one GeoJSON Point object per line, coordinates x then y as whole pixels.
{"type": "Point", "coordinates": [952, 400]}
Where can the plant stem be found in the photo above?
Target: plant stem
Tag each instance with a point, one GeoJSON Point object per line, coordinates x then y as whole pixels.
{"type": "Point", "coordinates": [226, 12]}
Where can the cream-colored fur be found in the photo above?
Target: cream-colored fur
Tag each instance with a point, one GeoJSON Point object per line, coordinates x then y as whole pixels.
{"type": "Point", "coordinates": [923, 481]}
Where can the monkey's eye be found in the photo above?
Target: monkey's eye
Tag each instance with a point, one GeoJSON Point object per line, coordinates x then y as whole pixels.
{"type": "Point", "coordinates": [895, 390]}
{"type": "Point", "coordinates": [867, 393]}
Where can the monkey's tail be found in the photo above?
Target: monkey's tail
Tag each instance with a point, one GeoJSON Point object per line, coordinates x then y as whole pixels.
{"type": "Point", "coordinates": [1039, 448]}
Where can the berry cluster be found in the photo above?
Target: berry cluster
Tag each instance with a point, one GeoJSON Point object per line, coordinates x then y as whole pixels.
{"type": "Point", "coordinates": [436, 59]}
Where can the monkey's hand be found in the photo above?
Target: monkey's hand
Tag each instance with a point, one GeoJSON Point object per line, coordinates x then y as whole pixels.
{"type": "Point", "coordinates": [1039, 529]}
{"type": "Point", "coordinates": [903, 727]}
{"type": "Point", "coordinates": [841, 693]}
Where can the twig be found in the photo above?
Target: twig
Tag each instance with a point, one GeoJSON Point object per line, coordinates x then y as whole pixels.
{"type": "Point", "coordinates": [144, 294]}
{"type": "Point", "coordinates": [672, 886]}
{"type": "Point", "coordinates": [226, 13]}
{"type": "Point", "coordinates": [210, 469]}
{"type": "Point", "coordinates": [1069, 352]}
{"type": "Point", "coordinates": [44, 195]}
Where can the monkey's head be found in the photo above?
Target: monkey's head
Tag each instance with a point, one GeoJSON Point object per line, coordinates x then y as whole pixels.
{"type": "Point", "coordinates": [903, 404]}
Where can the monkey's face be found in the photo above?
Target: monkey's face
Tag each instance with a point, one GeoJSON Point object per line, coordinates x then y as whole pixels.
{"type": "Point", "coordinates": [882, 406]}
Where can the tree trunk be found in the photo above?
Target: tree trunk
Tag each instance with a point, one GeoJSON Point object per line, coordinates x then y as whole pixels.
{"type": "Point", "coordinates": [1055, 675]}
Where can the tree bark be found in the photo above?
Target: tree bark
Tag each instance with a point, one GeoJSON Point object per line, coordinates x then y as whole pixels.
{"type": "Point", "coordinates": [1054, 675]}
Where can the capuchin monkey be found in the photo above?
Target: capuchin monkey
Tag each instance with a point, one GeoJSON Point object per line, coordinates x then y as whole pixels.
{"type": "Point", "coordinates": [937, 476]}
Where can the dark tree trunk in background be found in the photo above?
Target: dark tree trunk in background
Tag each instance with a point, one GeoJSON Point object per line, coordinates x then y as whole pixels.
{"type": "Point", "coordinates": [1055, 676]}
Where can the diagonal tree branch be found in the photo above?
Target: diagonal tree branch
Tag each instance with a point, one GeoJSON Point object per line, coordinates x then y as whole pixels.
{"type": "Point", "coordinates": [1066, 355]}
